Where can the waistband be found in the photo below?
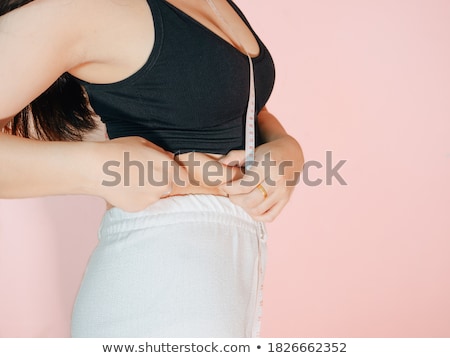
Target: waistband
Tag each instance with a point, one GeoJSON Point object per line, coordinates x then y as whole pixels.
{"type": "Point", "coordinates": [176, 210]}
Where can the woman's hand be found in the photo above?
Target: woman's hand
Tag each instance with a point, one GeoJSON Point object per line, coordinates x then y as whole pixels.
{"type": "Point", "coordinates": [133, 173]}
{"type": "Point", "coordinates": [206, 173]}
{"type": "Point", "coordinates": [267, 186]}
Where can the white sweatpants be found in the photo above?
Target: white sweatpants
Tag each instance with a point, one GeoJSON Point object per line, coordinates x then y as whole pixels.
{"type": "Point", "coordinates": [186, 266]}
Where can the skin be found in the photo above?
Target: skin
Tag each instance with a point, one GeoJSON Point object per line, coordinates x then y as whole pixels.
{"type": "Point", "coordinates": [69, 35]}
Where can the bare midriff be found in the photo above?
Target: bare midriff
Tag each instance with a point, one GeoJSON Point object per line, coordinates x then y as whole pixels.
{"type": "Point", "coordinates": [205, 176]}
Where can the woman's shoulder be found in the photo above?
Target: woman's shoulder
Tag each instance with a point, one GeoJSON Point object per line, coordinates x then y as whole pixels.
{"type": "Point", "coordinates": [45, 38]}
{"type": "Point", "coordinates": [86, 37]}
{"type": "Point", "coordinates": [52, 20]}
{"type": "Point", "coordinates": [74, 20]}
{"type": "Point", "coordinates": [118, 40]}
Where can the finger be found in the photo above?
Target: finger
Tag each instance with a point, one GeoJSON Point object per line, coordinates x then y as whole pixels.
{"type": "Point", "coordinates": [233, 158]}
{"type": "Point", "coordinates": [265, 204]}
{"type": "Point", "coordinates": [249, 181]}
{"type": "Point", "coordinates": [272, 212]}
{"type": "Point", "coordinates": [248, 201]}
{"type": "Point", "coordinates": [251, 202]}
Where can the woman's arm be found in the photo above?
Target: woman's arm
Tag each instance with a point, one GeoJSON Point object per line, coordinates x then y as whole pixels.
{"type": "Point", "coordinates": [39, 42]}
{"type": "Point", "coordinates": [278, 163]}
{"type": "Point", "coordinates": [270, 127]}
{"type": "Point", "coordinates": [31, 168]}
{"type": "Point", "coordinates": [274, 134]}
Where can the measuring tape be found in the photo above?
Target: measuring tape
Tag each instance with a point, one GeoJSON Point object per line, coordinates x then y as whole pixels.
{"type": "Point", "coordinates": [255, 321]}
{"type": "Point", "coordinates": [250, 116]}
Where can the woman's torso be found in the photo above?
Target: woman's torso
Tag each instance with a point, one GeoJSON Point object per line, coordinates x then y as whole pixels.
{"type": "Point", "coordinates": [169, 72]}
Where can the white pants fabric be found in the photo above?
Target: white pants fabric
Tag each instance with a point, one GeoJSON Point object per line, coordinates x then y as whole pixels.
{"type": "Point", "coordinates": [187, 266]}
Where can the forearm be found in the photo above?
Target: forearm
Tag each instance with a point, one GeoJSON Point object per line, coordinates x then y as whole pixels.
{"type": "Point", "coordinates": [269, 126]}
{"type": "Point", "coordinates": [273, 132]}
{"type": "Point", "coordinates": [31, 168]}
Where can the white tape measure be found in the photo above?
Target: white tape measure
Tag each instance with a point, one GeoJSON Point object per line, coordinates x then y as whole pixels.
{"type": "Point", "coordinates": [250, 116]}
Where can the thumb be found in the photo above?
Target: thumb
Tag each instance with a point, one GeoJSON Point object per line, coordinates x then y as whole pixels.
{"type": "Point", "coordinates": [234, 158]}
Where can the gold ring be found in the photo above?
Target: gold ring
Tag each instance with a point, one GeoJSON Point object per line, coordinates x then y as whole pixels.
{"type": "Point", "coordinates": [262, 190]}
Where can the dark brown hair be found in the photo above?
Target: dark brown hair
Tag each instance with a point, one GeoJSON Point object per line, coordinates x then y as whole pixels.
{"type": "Point", "coordinates": [62, 112]}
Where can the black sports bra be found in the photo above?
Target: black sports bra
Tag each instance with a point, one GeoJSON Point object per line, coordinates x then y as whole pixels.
{"type": "Point", "coordinates": [191, 94]}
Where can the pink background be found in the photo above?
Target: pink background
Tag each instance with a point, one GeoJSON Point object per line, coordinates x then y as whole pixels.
{"type": "Point", "coordinates": [367, 80]}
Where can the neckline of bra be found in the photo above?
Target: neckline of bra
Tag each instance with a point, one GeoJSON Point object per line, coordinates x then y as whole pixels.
{"type": "Point", "coordinates": [193, 20]}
